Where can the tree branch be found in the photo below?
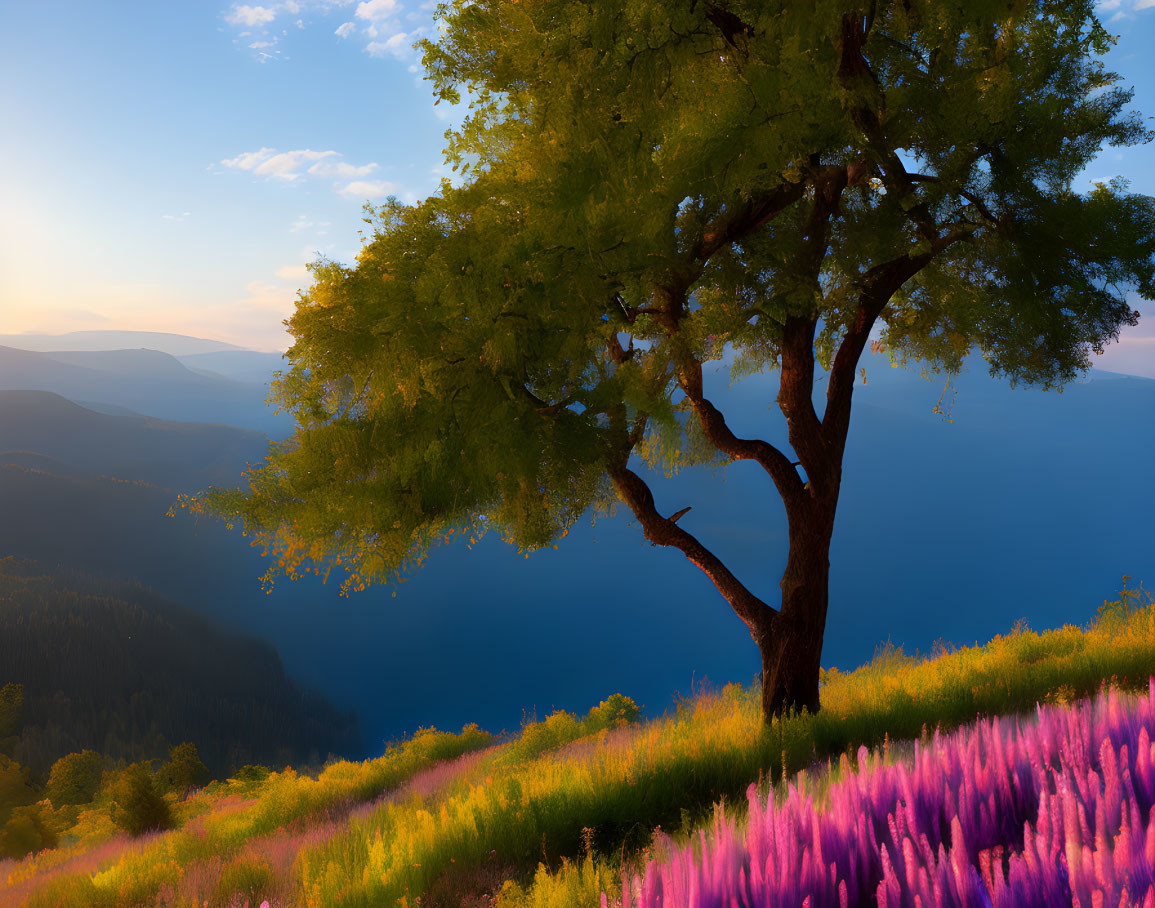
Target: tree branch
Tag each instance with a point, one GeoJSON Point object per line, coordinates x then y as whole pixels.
{"type": "Point", "coordinates": [659, 530]}
{"type": "Point", "coordinates": [963, 193]}
{"type": "Point", "coordinates": [714, 427]}
{"type": "Point", "coordinates": [878, 285]}
{"type": "Point", "coordinates": [735, 223]}
{"type": "Point", "coordinates": [795, 400]}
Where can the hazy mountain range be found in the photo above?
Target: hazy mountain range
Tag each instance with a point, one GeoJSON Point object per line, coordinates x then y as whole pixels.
{"type": "Point", "coordinates": [153, 383]}
{"type": "Point", "coordinates": [1028, 504]}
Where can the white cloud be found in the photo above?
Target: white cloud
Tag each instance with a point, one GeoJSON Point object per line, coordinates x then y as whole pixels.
{"type": "Point", "coordinates": [301, 223]}
{"type": "Point", "coordinates": [396, 45]}
{"type": "Point", "coordinates": [340, 170]}
{"type": "Point", "coordinates": [366, 189]}
{"type": "Point", "coordinates": [1122, 9]}
{"type": "Point", "coordinates": [374, 10]}
{"type": "Point", "coordinates": [257, 45]}
{"type": "Point", "coordinates": [293, 166]}
{"type": "Point", "coordinates": [174, 217]}
{"type": "Point", "coordinates": [285, 165]}
{"type": "Point", "coordinates": [345, 30]}
{"type": "Point", "coordinates": [250, 15]}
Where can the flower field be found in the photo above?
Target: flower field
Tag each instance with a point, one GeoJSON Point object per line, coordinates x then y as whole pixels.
{"type": "Point", "coordinates": [1055, 811]}
{"type": "Point", "coordinates": [892, 795]}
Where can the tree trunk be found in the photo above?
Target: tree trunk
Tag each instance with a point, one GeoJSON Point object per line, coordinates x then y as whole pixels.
{"type": "Point", "coordinates": [791, 639]}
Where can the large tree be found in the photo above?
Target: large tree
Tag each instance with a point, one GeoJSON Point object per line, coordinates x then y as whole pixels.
{"type": "Point", "coordinates": [649, 185]}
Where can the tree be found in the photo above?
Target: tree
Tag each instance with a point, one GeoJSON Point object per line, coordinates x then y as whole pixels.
{"type": "Point", "coordinates": [650, 186]}
{"type": "Point", "coordinates": [136, 806]}
{"type": "Point", "coordinates": [184, 770]}
{"type": "Point", "coordinates": [75, 778]}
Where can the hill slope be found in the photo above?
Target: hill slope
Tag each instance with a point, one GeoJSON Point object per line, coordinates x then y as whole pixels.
{"type": "Point", "coordinates": [173, 344]}
{"type": "Point", "coordinates": [174, 454]}
{"type": "Point", "coordinates": [121, 670]}
{"type": "Point", "coordinates": [146, 381]}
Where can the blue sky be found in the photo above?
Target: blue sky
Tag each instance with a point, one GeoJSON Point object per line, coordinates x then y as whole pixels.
{"type": "Point", "coordinates": [172, 166]}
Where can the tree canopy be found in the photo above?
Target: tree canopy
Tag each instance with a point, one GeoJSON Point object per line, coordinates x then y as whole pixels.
{"type": "Point", "coordinates": [647, 186]}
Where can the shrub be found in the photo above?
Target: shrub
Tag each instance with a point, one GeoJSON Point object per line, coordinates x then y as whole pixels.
{"type": "Point", "coordinates": [184, 770]}
{"type": "Point", "coordinates": [136, 806]}
{"type": "Point", "coordinates": [25, 832]}
{"type": "Point", "coordinates": [74, 779]}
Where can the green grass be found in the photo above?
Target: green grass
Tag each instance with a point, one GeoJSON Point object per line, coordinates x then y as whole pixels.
{"type": "Point", "coordinates": [549, 818]}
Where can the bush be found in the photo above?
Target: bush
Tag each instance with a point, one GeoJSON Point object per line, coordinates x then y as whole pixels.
{"type": "Point", "coordinates": [15, 787]}
{"type": "Point", "coordinates": [184, 770]}
{"type": "Point", "coordinates": [137, 808]}
{"type": "Point", "coordinates": [25, 832]}
{"type": "Point", "coordinates": [249, 775]}
{"type": "Point", "coordinates": [74, 779]}
{"type": "Point", "coordinates": [615, 711]}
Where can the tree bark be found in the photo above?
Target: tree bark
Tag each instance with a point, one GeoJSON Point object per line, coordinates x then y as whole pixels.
{"type": "Point", "coordinates": [790, 640]}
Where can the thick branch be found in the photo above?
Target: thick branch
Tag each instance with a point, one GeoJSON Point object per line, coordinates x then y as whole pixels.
{"type": "Point", "coordinates": [878, 285]}
{"type": "Point", "coordinates": [714, 427]}
{"type": "Point", "coordinates": [659, 530]}
{"type": "Point", "coordinates": [795, 390]}
{"type": "Point", "coordinates": [735, 223]}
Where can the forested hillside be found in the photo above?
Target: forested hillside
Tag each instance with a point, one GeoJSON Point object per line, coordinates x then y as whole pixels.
{"type": "Point", "coordinates": [120, 670]}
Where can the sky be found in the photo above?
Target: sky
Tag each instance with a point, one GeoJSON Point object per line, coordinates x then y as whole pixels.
{"type": "Point", "coordinates": [173, 166]}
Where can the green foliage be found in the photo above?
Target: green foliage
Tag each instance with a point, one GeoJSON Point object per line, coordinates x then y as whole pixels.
{"type": "Point", "coordinates": [250, 775]}
{"type": "Point", "coordinates": [184, 770]}
{"type": "Point", "coordinates": [561, 728]}
{"type": "Point", "coordinates": [15, 787]}
{"type": "Point", "coordinates": [25, 832]}
{"type": "Point", "coordinates": [75, 778]}
{"type": "Point", "coordinates": [641, 185]}
{"type": "Point", "coordinates": [137, 806]}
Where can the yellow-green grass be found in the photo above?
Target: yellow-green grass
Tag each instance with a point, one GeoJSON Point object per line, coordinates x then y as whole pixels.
{"type": "Point", "coordinates": [605, 796]}
{"type": "Point", "coordinates": [218, 823]}
{"type": "Point", "coordinates": [557, 819]}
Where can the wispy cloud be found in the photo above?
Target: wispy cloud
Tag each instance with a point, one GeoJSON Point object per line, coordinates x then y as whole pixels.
{"type": "Point", "coordinates": [175, 217]}
{"type": "Point", "coordinates": [283, 165]}
{"type": "Point", "coordinates": [387, 28]}
{"type": "Point", "coordinates": [305, 163]}
{"type": "Point", "coordinates": [362, 190]}
{"type": "Point", "coordinates": [397, 45]}
{"type": "Point", "coordinates": [1122, 9]}
{"type": "Point", "coordinates": [341, 170]}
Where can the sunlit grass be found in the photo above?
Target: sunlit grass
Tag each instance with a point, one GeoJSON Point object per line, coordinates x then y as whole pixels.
{"type": "Point", "coordinates": [551, 817]}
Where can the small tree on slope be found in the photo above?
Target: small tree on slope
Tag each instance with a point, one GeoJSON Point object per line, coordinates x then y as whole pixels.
{"type": "Point", "coordinates": [650, 183]}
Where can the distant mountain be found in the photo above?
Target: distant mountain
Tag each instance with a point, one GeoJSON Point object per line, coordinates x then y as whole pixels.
{"type": "Point", "coordinates": [178, 455]}
{"type": "Point", "coordinates": [1028, 504]}
{"type": "Point", "coordinates": [121, 670]}
{"type": "Point", "coordinates": [239, 365]}
{"type": "Point", "coordinates": [147, 381]}
{"type": "Point", "coordinates": [173, 344]}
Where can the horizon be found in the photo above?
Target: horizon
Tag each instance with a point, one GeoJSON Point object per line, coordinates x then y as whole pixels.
{"type": "Point", "coordinates": [221, 138]}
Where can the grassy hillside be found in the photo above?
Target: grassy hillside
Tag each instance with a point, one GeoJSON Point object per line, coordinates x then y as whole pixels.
{"type": "Point", "coordinates": [552, 816]}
